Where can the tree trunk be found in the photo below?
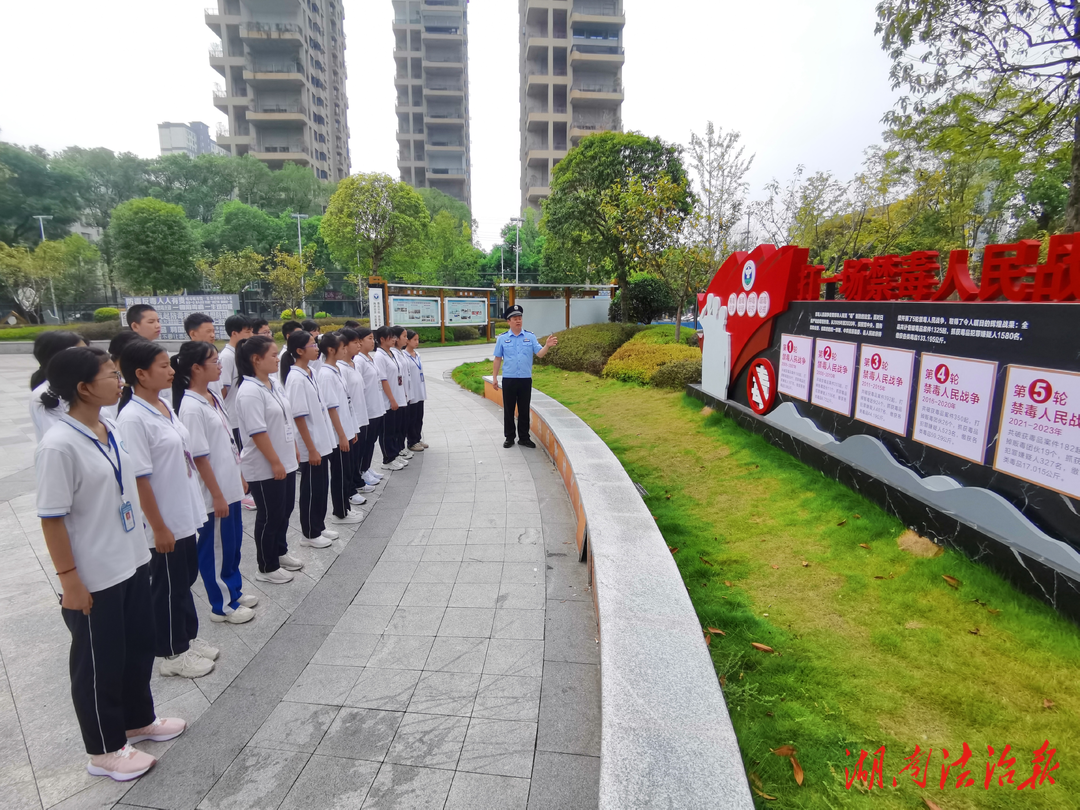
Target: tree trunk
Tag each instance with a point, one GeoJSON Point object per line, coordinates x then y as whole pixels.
{"type": "Point", "coordinates": [1072, 210]}
{"type": "Point", "coordinates": [624, 298]}
{"type": "Point", "coordinates": [678, 315]}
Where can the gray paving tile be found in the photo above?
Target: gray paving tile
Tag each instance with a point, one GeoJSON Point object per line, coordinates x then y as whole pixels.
{"type": "Point", "coordinates": [259, 777]}
{"type": "Point", "coordinates": [467, 622]}
{"type": "Point", "coordinates": [382, 593]}
{"type": "Point", "coordinates": [415, 621]}
{"type": "Point", "coordinates": [392, 572]}
{"type": "Point", "coordinates": [528, 553]}
{"type": "Point", "coordinates": [525, 536]}
{"type": "Point", "coordinates": [429, 741]}
{"type": "Point", "coordinates": [512, 623]}
{"type": "Point", "coordinates": [417, 522]}
{"type": "Point", "coordinates": [436, 572]}
{"type": "Point", "coordinates": [480, 572]}
{"type": "Point", "coordinates": [508, 697]}
{"type": "Point", "coordinates": [530, 573]}
{"type": "Point", "coordinates": [295, 727]}
{"type": "Point", "coordinates": [404, 787]}
{"type": "Point", "coordinates": [320, 683]}
{"type": "Point", "coordinates": [445, 693]}
{"type": "Point", "coordinates": [501, 747]}
{"type": "Point", "coordinates": [20, 796]}
{"type": "Point", "coordinates": [562, 781]}
{"type": "Point", "coordinates": [397, 553]}
{"type": "Point", "coordinates": [474, 595]}
{"type": "Point", "coordinates": [486, 536]}
{"type": "Point", "coordinates": [366, 619]}
{"type": "Point", "coordinates": [488, 520]}
{"type": "Point", "coordinates": [448, 536]}
{"type": "Point", "coordinates": [481, 791]}
{"type": "Point", "coordinates": [570, 709]}
{"type": "Point", "coordinates": [331, 783]}
{"type": "Point", "coordinates": [427, 594]}
{"type": "Point", "coordinates": [521, 596]}
{"type": "Point", "coordinates": [387, 689]}
{"type": "Point", "coordinates": [401, 652]}
{"type": "Point", "coordinates": [409, 537]}
{"type": "Point", "coordinates": [360, 734]}
{"type": "Point", "coordinates": [451, 654]}
{"type": "Point", "coordinates": [570, 631]}
{"type": "Point", "coordinates": [486, 552]}
{"type": "Point", "coordinates": [512, 656]}
{"type": "Point", "coordinates": [444, 553]}
{"type": "Point", "coordinates": [346, 649]}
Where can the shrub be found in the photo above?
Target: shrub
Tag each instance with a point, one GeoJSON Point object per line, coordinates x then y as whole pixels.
{"type": "Point", "coordinates": [105, 330]}
{"type": "Point", "coordinates": [465, 332]}
{"type": "Point", "coordinates": [677, 374]}
{"type": "Point", "coordinates": [321, 315]}
{"type": "Point", "coordinates": [637, 360]}
{"type": "Point", "coordinates": [428, 334]}
{"type": "Point", "coordinates": [649, 299]}
{"type": "Point", "coordinates": [103, 314]}
{"type": "Point", "coordinates": [292, 315]}
{"type": "Point", "coordinates": [666, 334]}
{"type": "Point", "coordinates": [587, 348]}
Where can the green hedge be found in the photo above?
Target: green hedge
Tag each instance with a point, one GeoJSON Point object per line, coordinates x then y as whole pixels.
{"type": "Point", "coordinates": [587, 348]}
{"type": "Point", "coordinates": [106, 314]}
{"type": "Point", "coordinates": [638, 360]}
{"type": "Point", "coordinates": [666, 334]}
{"type": "Point", "coordinates": [90, 331]}
{"type": "Point", "coordinates": [677, 374]}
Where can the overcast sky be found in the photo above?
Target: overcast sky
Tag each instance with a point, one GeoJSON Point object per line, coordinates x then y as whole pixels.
{"type": "Point", "coordinates": [804, 82]}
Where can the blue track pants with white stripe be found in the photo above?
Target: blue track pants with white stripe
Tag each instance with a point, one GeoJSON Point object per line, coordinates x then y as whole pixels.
{"type": "Point", "coordinates": [219, 559]}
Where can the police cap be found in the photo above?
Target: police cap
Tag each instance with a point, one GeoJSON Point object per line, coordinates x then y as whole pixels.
{"type": "Point", "coordinates": [513, 310]}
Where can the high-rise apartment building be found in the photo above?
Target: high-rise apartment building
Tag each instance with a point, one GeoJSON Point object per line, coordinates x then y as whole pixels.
{"type": "Point", "coordinates": [431, 52]}
{"type": "Point", "coordinates": [190, 139]}
{"type": "Point", "coordinates": [571, 82]}
{"type": "Point", "coordinates": [283, 62]}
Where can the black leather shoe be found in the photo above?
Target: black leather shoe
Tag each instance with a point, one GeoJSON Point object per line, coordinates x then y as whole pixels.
{"type": "Point", "coordinates": [508, 443]}
{"type": "Point", "coordinates": [527, 443]}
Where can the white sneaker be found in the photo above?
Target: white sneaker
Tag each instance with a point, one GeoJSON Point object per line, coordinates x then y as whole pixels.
{"type": "Point", "coordinates": [393, 465]}
{"type": "Point", "coordinates": [406, 454]}
{"type": "Point", "coordinates": [426, 445]}
{"type": "Point", "coordinates": [349, 519]}
{"type": "Point", "coordinates": [311, 542]}
{"type": "Point", "coordinates": [417, 448]}
{"type": "Point", "coordinates": [358, 499]}
{"type": "Point", "coordinates": [204, 649]}
{"type": "Point", "coordinates": [186, 665]}
{"type": "Point", "coordinates": [289, 562]}
{"type": "Point", "coordinates": [124, 765]}
{"type": "Point", "coordinates": [374, 476]}
{"type": "Point", "coordinates": [330, 534]}
{"type": "Point", "coordinates": [238, 616]}
{"type": "Point", "coordinates": [248, 600]}
{"type": "Point", "coordinates": [278, 577]}
{"type": "Point", "coordinates": [366, 488]}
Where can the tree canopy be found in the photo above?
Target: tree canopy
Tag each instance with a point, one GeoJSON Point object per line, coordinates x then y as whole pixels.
{"type": "Point", "coordinates": [153, 246]}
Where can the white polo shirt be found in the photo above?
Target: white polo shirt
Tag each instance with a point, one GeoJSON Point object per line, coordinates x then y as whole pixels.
{"type": "Point", "coordinates": [211, 436]}
{"type": "Point", "coordinates": [354, 382]}
{"type": "Point", "coordinates": [265, 410]}
{"type": "Point", "coordinates": [335, 390]}
{"type": "Point", "coordinates": [160, 450]}
{"type": "Point", "coordinates": [42, 417]}
{"type": "Point", "coordinates": [418, 388]}
{"type": "Point", "coordinates": [403, 364]}
{"type": "Point", "coordinates": [373, 395]}
{"type": "Point", "coordinates": [229, 377]}
{"type": "Point", "coordinates": [76, 480]}
{"type": "Point", "coordinates": [391, 370]}
{"type": "Point", "coordinates": [307, 399]}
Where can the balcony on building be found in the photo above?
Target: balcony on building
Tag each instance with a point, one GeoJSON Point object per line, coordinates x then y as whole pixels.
{"type": "Point", "coordinates": [442, 60]}
{"type": "Point", "coordinates": [278, 153]}
{"type": "Point", "coordinates": [219, 21]}
{"type": "Point", "coordinates": [288, 36]}
{"type": "Point", "coordinates": [287, 114]}
{"type": "Point", "coordinates": [595, 92]}
{"type": "Point", "coordinates": [223, 101]}
{"type": "Point", "coordinates": [604, 12]}
{"type": "Point", "coordinates": [583, 125]}
{"type": "Point", "coordinates": [271, 73]}
{"type": "Point", "coordinates": [220, 62]}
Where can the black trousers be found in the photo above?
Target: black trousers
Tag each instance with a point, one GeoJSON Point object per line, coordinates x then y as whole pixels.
{"type": "Point", "coordinates": [314, 487]}
{"type": "Point", "coordinates": [374, 433]}
{"type": "Point", "coordinates": [274, 501]}
{"type": "Point", "coordinates": [111, 661]}
{"type": "Point", "coordinates": [171, 577]}
{"type": "Point", "coordinates": [416, 423]}
{"type": "Point", "coordinates": [339, 482]}
{"type": "Point", "coordinates": [357, 458]}
{"type": "Point", "coordinates": [517, 392]}
{"type": "Point", "coordinates": [392, 442]}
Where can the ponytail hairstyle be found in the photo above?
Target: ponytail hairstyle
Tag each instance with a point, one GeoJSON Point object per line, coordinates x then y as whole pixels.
{"type": "Point", "coordinates": [46, 346]}
{"type": "Point", "coordinates": [139, 355]}
{"type": "Point", "coordinates": [77, 364]}
{"type": "Point", "coordinates": [192, 353]}
{"type": "Point", "coordinates": [121, 341]}
{"type": "Point", "coordinates": [381, 334]}
{"type": "Point", "coordinates": [395, 331]}
{"type": "Point", "coordinates": [296, 341]}
{"type": "Point", "coordinates": [348, 334]}
{"type": "Point", "coordinates": [247, 349]}
{"type": "Point", "coordinates": [329, 340]}
{"type": "Point", "coordinates": [410, 334]}
{"type": "Point", "coordinates": [362, 332]}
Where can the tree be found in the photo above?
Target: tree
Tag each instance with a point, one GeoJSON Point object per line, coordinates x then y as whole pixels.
{"type": "Point", "coordinates": [78, 279]}
{"type": "Point", "coordinates": [232, 271]}
{"type": "Point", "coordinates": [236, 226]}
{"type": "Point", "coordinates": [436, 201]}
{"type": "Point", "coordinates": [579, 237]}
{"type": "Point", "coordinates": [198, 185]}
{"type": "Point", "coordinates": [292, 278]}
{"type": "Point", "coordinates": [685, 270]}
{"type": "Point", "coordinates": [718, 169]}
{"type": "Point", "coordinates": [34, 187]}
{"type": "Point", "coordinates": [295, 188]}
{"type": "Point", "coordinates": [796, 214]}
{"type": "Point", "coordinates": [28, 275]}
{"type": "Point", "coordinates": [453, 258]}
{"type": "Point", "coordinates": [945, 47]}
{"type": "Point", "coordinates": [371, 219]}
{"type": "Point", "coordinates": [251, 178]}
{"type": "Point", "coordinates": [645, 298]}
{"type": "Point", "coordinates": [153, 246]}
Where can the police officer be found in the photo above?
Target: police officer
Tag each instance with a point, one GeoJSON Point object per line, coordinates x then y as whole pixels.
{"type": "Point", "coordinates": [515, 349]}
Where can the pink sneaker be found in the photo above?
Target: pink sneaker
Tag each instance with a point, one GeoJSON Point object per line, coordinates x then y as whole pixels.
{"type": "Point", "coordinates": [162, 729]}
{"type": "Point", "coordinates": [124, 765]}
{"type": "Point", "coordinates": [247, 502]}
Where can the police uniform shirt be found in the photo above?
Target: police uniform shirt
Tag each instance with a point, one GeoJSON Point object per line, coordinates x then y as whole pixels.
{"type": "Point", "coordinates": [211, 436]}
{"type": "Point", "coordinates": [332, 384]}
{"type": "Point", "coordinates": [265, 410]}
{"type": "Point", "coordinates": [517, 353]}
{"type": "Point", "coordinates": [306, 400]}
{"type": "Point", "coordinates": [354, 383]}
{"type": "Point", "coordinates": [76, 481]}
{"type": "Point", "coordinates": [160, 449]}
{"type": "Point", "coordinates": [373, 393]}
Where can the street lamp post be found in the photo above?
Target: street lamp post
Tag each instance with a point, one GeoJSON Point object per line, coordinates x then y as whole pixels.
{"type": "Point", "coordinates": [517, 247]}
{"type": "Point", "coordinates": [300, 239]}
{"type": "Point", "coordinates": [41, 225]}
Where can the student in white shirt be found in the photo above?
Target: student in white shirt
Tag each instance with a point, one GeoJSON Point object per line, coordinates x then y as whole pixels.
{"type": "Point", "coordinates": [88, 502]}
{"type": "Point", "coordinates": [314, 437]}
{"type": "Point", "coordinates": [46, 346]}
{"type": "Point", "coordinates": [373, 399]}
{"type": "Point", "coordinates": [237, 327]}
{"type": "Point", "coordinates": [217, 459]}
{"type": "Point", "coordinates": [270, 459]}
{"type": "Point", "coordinates": [332, 384]}
{"type": "Point", "coordinates": [401, 339]}
{"type": "Point", "coordinates": [417, 394]}
{"type": "Point", "coordinates": [354, 382]}
{"type": "Point", "coordinates": [172, 506]}
{"type": "Point", "coordinates": [392, 380]}
{"type": "Point", "coordinates": [116, 348]}
{"type": "Point", "coordinates": [287, 329]}
{"type": "Point", "coordinates": [313, 329]}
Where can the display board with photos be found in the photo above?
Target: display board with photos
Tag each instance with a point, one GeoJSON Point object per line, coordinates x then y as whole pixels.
{"type": "Point", "coordinates": [466, 311]}
{"type": "Point", "coordinates": [409, 310]}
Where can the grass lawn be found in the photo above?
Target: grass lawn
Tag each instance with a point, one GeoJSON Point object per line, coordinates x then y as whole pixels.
{"type": "Point", "coordinates": [873, 646]}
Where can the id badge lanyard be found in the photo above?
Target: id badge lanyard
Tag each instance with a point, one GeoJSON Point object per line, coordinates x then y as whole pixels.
{"type": "Point", "coordinates": [419, 366]}
{"type": "Point", "coordinates": [127, 514]}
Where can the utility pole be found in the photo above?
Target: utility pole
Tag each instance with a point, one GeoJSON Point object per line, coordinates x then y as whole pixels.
{"type": "Point", "coordinates": [41, 224]}
{"type": "Point", "coordinates": [300, 239]}
{"type": "Point", "coordinates": [517, 248]}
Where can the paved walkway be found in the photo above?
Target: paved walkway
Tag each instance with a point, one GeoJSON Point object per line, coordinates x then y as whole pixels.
{"type": "Point", "coordinates": [445, 656]}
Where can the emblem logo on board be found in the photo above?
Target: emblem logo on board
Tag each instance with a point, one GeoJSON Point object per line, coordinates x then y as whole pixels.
{"type": "Point", "coordinates": [749, 273]}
